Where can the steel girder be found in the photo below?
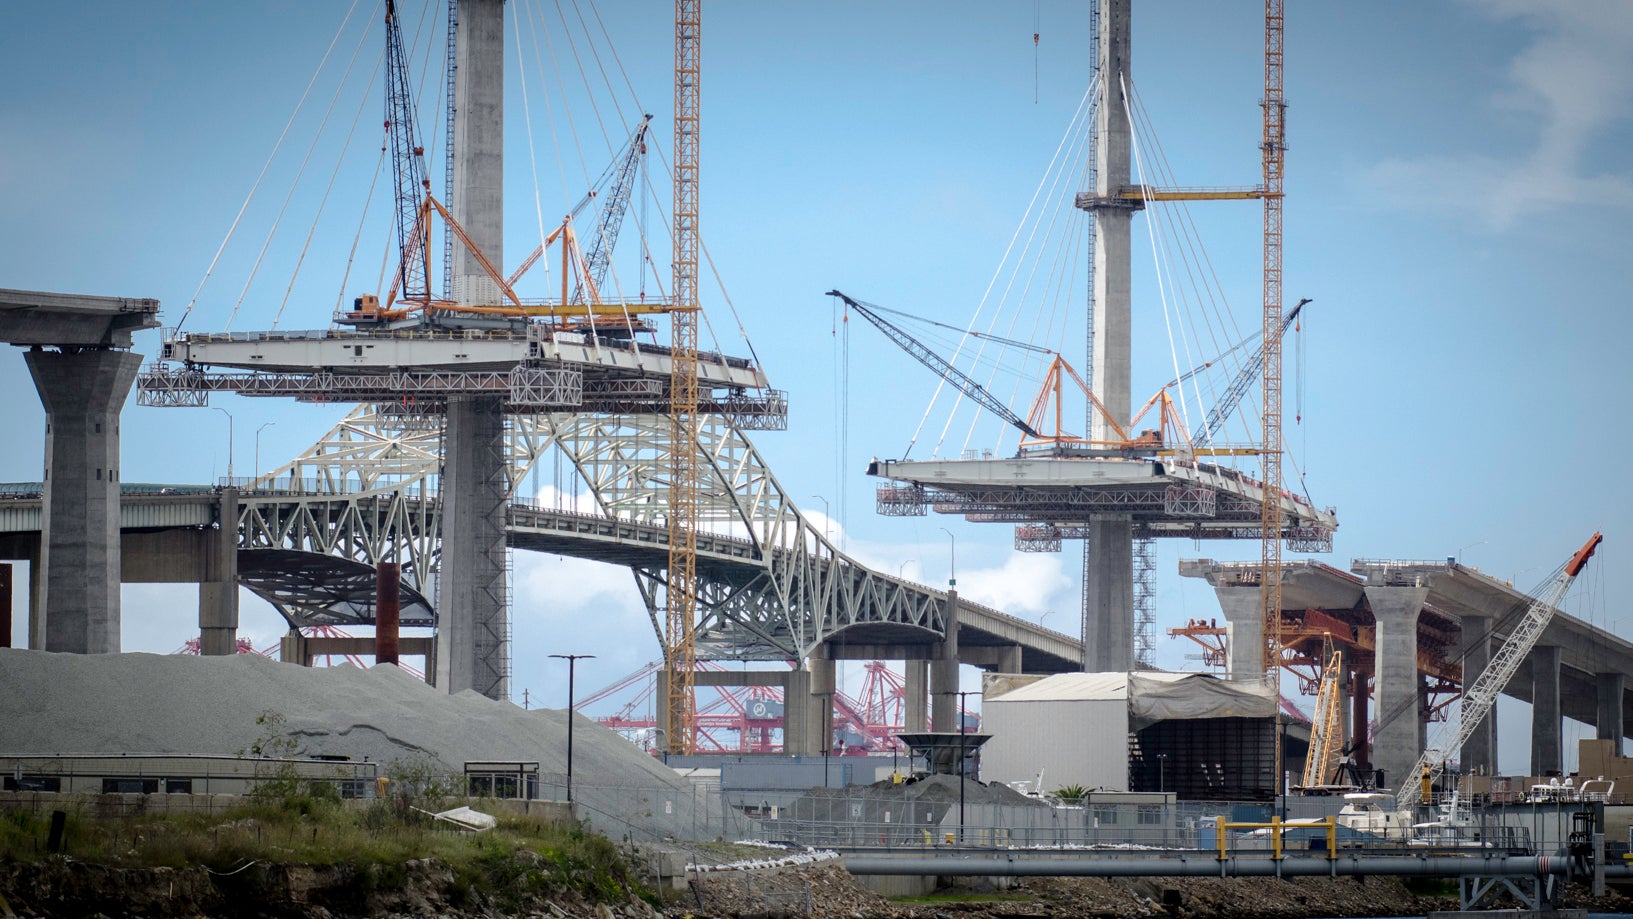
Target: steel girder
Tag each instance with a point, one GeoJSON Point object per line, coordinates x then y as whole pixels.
{"type": "Point", "coordinates": [363, 490]}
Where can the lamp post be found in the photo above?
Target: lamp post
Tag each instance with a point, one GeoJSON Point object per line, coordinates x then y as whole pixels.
{"type": "Point", "coordinates": [961, 758]}
{"type": "Point", "coordinates": [952, 558]}
{"type": "Point", "coordinates": [826, 517]}
{"type": "Point", "coordinates": [901, 570]}
{"type": "Point", "coordinates": [572, 661]}
{"type": "Point", "coordinates": [223, 411]}
{"type": "Point", "coordinates": [1459, 556]}
{"type": "Point", "coordinates": [258, 446]}
{"type": "Point", "coordinates": [1162, 773]}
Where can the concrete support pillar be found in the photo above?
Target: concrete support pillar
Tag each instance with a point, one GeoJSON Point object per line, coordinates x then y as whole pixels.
{"type": "Point", "coordinates": [944, 673]}
{"type": "Point", "coordinates": [1346, 690]}
{"type": "Point", "coordinates": [36, 602]}
{"type": "Point", "coordinates": [479, 139]}
{"type": "Point", "coordinates": [916, 705]}
{"type": "Point", "coordinates": [1398, 737]}
{"type": "Point", "coordinates": [293, 649]}
{"type": "Point", "coordinates": [82, 392]}
{"type": "Point", "coordinates": [820, 717]}
{"type": "Point", "coordinates": [1361, 719]}
{"type": "Point", "coordinates": [5, 605]}
{"type": "Point", "coordinates": [1479, 754]}
{"type": "Point", "coordinates": [1244, 631]}
{"type": "Point", "coordinates": [1108, 613]}
{"type": "Point", "coordinates": [218, 593]}
{"type": "Point", "coordinates": [1612, 713]}
{"type": "Point", "coordinates": [1009, 659]}
{"type": "Point", "coordinates": [796, 714]}
{"type": "Point", "coordinates": [1547, 727]}
{"type": "Point", "coordinates": [473, 615]}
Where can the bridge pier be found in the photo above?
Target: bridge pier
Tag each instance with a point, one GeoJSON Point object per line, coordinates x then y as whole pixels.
{"type": "Point", "coordinates": [819, 737]}
{"type": "Point", "coordinates": [916, 704]}
{"type": "Point", "coordinates": [1244, 627]}
{"type": "Point", "coordinates": [1546, 717]}
{"type": "Point", "coordinates": [1480, 750]}
{"type": "Point", "coordinates": [1396, 688]}
{"type": "Point", "coordinates": [796, 711]}
{"type": "Point", "coordinates": [218, 591]}
{"type": "Point", "coordinates": [473, 623]}
{"type": "Point", "coordinates": [944, 673]}
{"type": "Point", "coordinates": [1612, 710]}
{"type": "Point", "coordinates": [83, 392]}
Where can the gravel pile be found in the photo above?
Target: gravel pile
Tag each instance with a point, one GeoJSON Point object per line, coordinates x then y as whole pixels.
{"type": "Point", "coordinates": [153, 703]}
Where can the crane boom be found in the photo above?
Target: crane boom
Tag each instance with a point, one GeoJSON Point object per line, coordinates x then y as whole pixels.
{"type": "Point", "coordinates": [1481, 696]}
{"type": "Point", "coordinates": [599, 258]}
{"type": "Point", "coordinates": [1226, 406]}
{"type": "Point", "coordinates": [408, 166]}
{"type": "Point", "coordinates": [1325, 722]}
{"type": "Point", "coordinates": [939, 365]}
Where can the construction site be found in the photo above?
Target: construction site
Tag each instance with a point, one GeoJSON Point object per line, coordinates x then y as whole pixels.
{"type": "Point", "coordinates": [798, 685]}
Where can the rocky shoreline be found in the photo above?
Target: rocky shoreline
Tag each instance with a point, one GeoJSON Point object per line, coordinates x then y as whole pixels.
{"type": "Point", "coordinates": [61, 887]}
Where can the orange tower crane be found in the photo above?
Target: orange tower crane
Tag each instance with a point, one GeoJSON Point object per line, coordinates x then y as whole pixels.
{"type": "Point", "coordinates": [1273, 147]}
{"type": "Point", "coordinates": [680, 594]}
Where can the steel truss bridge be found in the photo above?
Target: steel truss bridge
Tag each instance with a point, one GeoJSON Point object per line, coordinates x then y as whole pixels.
{"type": "Point", "coordinates": [771, 586]}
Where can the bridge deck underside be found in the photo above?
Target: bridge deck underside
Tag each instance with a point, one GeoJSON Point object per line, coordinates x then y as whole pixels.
{"type": "Point", "coordinates": [1199, 501]}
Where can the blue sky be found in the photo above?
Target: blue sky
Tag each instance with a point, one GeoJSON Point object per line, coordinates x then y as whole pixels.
{"type": "Point", "coordinates": [1459, 198]}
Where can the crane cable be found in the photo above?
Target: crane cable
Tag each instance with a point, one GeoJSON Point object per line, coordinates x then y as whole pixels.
{"type": "Point", "coordinates": [992, 282]}
{"type": "Point", "coordinates": [334, 176]}
{"type": "Point", "coordinates": [265, 166]}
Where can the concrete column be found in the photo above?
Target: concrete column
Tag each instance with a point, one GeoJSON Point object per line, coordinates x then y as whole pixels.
{"type": "Point", "coordinates": [218, 593]}
{"type": "Point", "coordinates": [36, 601]}
{"type": "Point", "coordinates": [1111, 374]}
{"type": "Point", "coordinates": [916, 714]}
{"type": "Point", "coordinates": [1108, 613]}
{"type": "Point", "coordinates": [1361, 719]}
{"type": "Point", "coordinates": [479, 139]}
{"type": "Point", "coordinates": [1244, 631]}
{"type": "Point", "coordinates": [1346, 690]}
{"type": "Point", "coordinates": [293, 649]}
{"type": "Point", "coordinates": [82, 392]}
{"type": "Point", "coordinates": [5, 605]}
{"type": "Point", "coordinates": [1612, 713]}
{"type": "Point", "coordinates": [1547, 745]}
{"type": "Point", "coordinates": [820, 717]}
{"type": "Point", "coordinates": [1009, 659]}
{"type": "Point", "coordinates": [796, 714]}
{"type": "Point", "coordinates": [473, 615]}
{"type": "Point", "coordinates": [1398, 741]}
{"type": "Point", "coordinates": [944, 673]}
{"type": "Point", "coordinates": [1480, 750]}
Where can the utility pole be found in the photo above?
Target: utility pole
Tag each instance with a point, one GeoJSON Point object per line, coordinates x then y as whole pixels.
{"type": "Point", "coordinates": [572, 660]}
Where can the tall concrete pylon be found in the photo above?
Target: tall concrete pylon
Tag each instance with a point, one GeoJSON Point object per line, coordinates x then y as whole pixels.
{"type": "Point", "coordinates": [473, 610]}
{"type": "Point", "coordinates": [1108, 590]}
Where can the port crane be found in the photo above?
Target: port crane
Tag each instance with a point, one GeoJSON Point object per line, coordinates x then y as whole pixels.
{"type": "Point", "coordinates": [1480, 697]}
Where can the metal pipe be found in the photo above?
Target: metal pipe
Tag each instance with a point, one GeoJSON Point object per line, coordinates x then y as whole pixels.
{"type": "Point", "coordinates": [1207, 866]}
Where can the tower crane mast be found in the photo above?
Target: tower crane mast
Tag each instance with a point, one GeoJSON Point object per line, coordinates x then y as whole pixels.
{"type": "Point", "coordinates": [680, 594]}
{"type": "Point", "coordinates": [1273, 147]}
{"type": "Point", "coordinates": [1480, 697]}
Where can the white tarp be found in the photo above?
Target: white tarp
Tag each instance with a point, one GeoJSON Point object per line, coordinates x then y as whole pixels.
{"type": "Point", "coordinates": [1154, 696]}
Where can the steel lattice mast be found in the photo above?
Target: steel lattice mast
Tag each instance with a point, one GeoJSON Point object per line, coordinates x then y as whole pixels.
{"type": "Point", "coordinates": [1273, 147]}
{"type": "Point", "coordinates": [681, 592]}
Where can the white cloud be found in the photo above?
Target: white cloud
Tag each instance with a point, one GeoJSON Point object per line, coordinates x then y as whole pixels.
{"type": "Point", "coordinates": [1575, 79]}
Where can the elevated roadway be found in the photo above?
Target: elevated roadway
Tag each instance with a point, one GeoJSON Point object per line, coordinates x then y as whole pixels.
{"type": "Point", "coordinates": [1404, 623]}
{"type": "Point", "coordinates": [312, 557]}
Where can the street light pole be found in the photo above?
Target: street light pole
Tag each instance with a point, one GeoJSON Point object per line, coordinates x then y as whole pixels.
{"type": "Point", "coordinates": [1162, 773]}
{"type": "Point", "coordinates": [952, 558]}
{"type": "Point", "coordinates": [223, 411]}
{"type": "Point", "coordinates": [572, 661]}
{"type": "Point", "coordinates": [258, 446]}
{"type": "Point", "coordinates": [826, 517]}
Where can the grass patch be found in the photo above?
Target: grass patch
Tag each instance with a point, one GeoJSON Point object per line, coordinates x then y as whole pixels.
{"type": "Point", "coordinates": [521, 857]}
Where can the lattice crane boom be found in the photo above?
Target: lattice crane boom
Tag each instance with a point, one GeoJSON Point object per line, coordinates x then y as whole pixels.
{"type": "Point", "coordinates": [939, 365]}
{"type": "Point", "coordinates": [1326, 722]}
{"type": "Point", "coordinates": [1480, 696]}
{"type": "Point", "coordinates": [599, 257]}
{"type": "Point", "coordinates": [408, 167]}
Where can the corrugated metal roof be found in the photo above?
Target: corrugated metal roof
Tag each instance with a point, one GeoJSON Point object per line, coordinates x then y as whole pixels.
{"type": "Point", "coordinates": [1062, 687]}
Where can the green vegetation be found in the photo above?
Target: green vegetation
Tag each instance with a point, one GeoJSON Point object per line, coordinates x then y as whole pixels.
{"type": "Point", "coordinates": [1071, 794]}
{"type": "Point", "coordinates": [521, 857]}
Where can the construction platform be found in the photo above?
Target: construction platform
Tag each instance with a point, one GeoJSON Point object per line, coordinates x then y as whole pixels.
{"type": "Point", "coordinates": [417, 369]}
{"type": "Point", "coordinates": [1055, 498]}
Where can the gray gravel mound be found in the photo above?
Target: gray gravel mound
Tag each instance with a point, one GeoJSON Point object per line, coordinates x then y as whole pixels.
{"type": "Point", "coordinates": [152, 703]}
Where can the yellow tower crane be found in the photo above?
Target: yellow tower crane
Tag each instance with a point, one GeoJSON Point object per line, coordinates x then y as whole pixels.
{"type": "Point", "coordinates": [680, 594]}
